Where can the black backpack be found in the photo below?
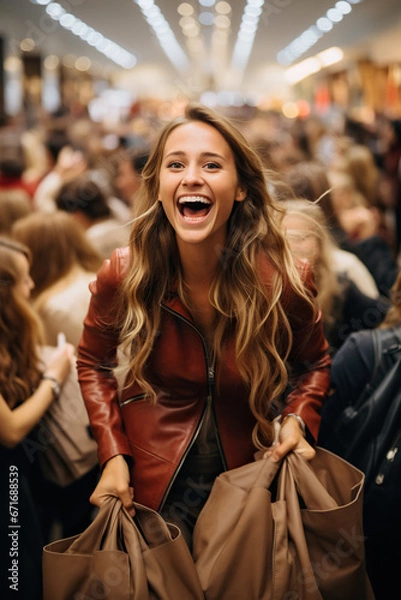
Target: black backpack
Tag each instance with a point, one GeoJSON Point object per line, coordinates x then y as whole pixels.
{"type": "Point", "coordinates": [367, 433]}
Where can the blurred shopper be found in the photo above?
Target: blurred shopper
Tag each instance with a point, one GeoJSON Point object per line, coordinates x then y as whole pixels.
{"type": "Point", "coordinates": [390, 135]}
{"type": "Point", "coordinates": [309, 180]}
{"type": "Point", "coordinates": [359, 162]}
{"type": "Point", "coordinates": [351, 373]}
{"type": "Point", "coordinates": [344, 307]}
{"type": "Point", "coordinates": [63, 264]}
{"type": "Point", "coordinates": [14, 204]}
{"type": "Point", "coordinates": [129, 173]}
{"type": "Point", "coordinates": [86, 202]}
{"type": "Point", "coordinates": [27, 389]}
{"type": "Point", "coordinates": [12, 168]}
{"type": "Point", "coordinates": [70, 163]}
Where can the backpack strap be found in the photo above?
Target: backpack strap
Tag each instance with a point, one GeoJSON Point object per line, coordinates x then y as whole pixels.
{"type": "Point", "coordinates": [387, 346]}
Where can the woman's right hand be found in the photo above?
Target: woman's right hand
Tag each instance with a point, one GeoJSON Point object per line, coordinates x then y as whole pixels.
{"type": "Point", "coordinates": [115, 481]}
{"type": "Point", "coordinates": [60, 363]}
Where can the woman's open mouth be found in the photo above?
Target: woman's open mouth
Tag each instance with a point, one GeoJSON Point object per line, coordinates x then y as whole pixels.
{"type": "Point", "coordinates": [194, 206]}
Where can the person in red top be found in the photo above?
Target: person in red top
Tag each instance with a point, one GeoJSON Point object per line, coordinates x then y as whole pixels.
{"type": "Point", "coordinates": [219, 327]}
{"type": "Point", "coordinates": [11, 177]}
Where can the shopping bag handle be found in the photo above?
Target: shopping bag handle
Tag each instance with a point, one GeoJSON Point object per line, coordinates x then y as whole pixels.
{"type": "Point", "coordinates": [95, 534]}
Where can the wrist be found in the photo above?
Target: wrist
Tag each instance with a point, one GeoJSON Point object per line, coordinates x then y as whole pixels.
{"type": "Point", "coordinates": [299, 420]}
{"type": "Point", "coordinates": [55, 385]}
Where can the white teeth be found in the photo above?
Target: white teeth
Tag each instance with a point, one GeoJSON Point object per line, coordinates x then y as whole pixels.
{"type": "Point", "coordinates": [189, 199]}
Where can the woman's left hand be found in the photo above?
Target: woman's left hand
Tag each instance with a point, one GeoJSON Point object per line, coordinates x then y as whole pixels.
{"type": "Point", "coordinates": [290, 438]}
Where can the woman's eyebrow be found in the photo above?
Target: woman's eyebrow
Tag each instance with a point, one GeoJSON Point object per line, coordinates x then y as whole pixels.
{"type": "Point", "coordinates": [203, 154]}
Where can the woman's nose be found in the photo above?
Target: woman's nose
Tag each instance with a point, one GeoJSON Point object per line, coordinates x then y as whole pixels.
{"type": "Point", "coordinates": [192, 176]}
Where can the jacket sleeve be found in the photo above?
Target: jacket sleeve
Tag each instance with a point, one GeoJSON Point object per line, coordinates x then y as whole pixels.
{"type": "Point", "coordinates": [97, 356]}
{"type": "Point", "coordinates": [309, 360]}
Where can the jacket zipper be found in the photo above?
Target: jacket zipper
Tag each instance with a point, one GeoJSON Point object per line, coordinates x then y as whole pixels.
{"type": "Point", "coordinates": [133, 399]}
{"type": "Point", "coordinates": [210, 375]}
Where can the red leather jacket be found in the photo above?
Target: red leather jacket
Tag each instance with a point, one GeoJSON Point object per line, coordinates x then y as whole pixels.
{"type": "Point", "coordinates": [158, 436]}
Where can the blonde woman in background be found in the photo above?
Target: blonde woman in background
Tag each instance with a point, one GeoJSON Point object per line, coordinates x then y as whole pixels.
{"type": "Point", "coordinates": [344, 307]}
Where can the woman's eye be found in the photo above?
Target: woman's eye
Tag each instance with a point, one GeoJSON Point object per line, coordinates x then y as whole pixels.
{"type": "Point", "coordinates": [174, 165]}
{"type": "Point", "coordinates": [212, 165]}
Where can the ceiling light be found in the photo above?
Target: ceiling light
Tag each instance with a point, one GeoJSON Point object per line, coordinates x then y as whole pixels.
{"type": "Point", "coordinates": [222, 22]}
{"type": "Point", "coordinates": [79, 28]}
{"type": "Point", "coordinates": [334, 15]}
{"type": "Point", "coordinates": [206, 18]}
{"type": "Point", "coordinates": [344, 7]}
{"type": "Point", "coordinates": [67, 20]}
{"type": "Point", "coordinates": [186, 22]}
{"type": "Point", "coordinates": [27, 45]}
{"type": "Point", "coordinates": [12, 64]}
{"type": "Point", "coordinates": [83, 63]}
{"type": "Point", "coordinates": [312, 65]}
{"type": "Point", "coordinates": [191, 32]}
{"type": "Point", "coordinates": [51, 62]}
{"type": "Point", "coordinates": [94, 38]}
{"type": "Point", "coordinates": [253, 11]}
{"type": "Point", "coordinates": [207, 2]}
{"type": "Point", "coordinates": [223, 8]}
{"type": "Point", "coordinates": [310, 36]}
{"type": "Point", "coordinates": [330, 56]}
{"type": "Point", "coordinates": [324, 24]}
{"type": "Point", "coordinates": [307, 67]}
{"type": "Point", "coordinates": [55, 10]}
{"type": "Point", "coordinates": [185, 9]}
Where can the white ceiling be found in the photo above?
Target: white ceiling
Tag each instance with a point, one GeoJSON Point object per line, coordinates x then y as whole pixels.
{"type": "Point", "coordinates": [372, 29]}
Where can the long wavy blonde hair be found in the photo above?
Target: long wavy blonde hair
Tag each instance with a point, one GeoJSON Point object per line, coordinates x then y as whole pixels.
{"type": "Point", "coordinates": [244, 306]}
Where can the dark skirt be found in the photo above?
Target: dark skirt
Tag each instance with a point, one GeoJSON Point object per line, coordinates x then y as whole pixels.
{"type": "Point", "coordinates": [190, 491]}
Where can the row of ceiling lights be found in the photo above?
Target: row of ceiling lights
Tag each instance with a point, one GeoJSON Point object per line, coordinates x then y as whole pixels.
{"type": "Point", "coordinates": [219, 17]}
{"type": "Point", "coordinates": [88, 34]}
{"type": "Point", "coordinates": [165, 36]}
{"type": "Point", "coordinates": [315, 32]}
{"type": "Point", "coordinates": [191, 23]}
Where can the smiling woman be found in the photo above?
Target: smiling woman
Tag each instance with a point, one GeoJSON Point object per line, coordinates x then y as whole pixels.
{"type": "Point", "coordinates": [216, 321]}
{"type": "Point", "coordinates": [198, 186]}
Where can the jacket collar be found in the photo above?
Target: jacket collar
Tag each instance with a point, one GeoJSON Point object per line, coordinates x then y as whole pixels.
{"type": "Point", "coordinates": [174, 302]}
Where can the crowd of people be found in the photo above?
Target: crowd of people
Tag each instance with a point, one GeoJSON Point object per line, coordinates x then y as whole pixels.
{"type": "Point", "coordinates": [204, 272]}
